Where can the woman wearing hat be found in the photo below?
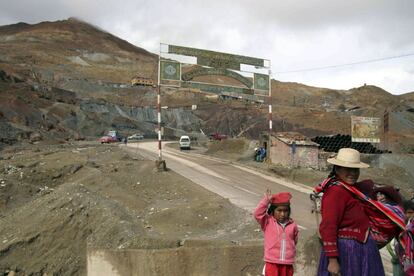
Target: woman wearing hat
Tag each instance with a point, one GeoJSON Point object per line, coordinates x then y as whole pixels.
{"type": "Point", "coordinates": [348, 248]}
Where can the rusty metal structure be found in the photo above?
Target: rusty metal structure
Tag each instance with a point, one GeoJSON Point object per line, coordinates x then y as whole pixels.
{"type": "Point", "coordinates": [143, 81]}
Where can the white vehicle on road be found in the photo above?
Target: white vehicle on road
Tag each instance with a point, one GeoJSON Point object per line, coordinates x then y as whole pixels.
{"type": "Point", "coordinates": [136, 137]}
{"type": "Point", "coordinates": [185, 142]}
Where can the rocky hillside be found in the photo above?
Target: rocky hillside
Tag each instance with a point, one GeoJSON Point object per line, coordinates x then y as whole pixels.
{"type": "Point", "coordinates": [69, 80]}
{"type": "Point", "coordinates": [56, 52]}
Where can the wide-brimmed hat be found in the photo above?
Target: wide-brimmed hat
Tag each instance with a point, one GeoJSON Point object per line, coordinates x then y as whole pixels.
{"type": "Point", "coordinates": [348, 158]}
{"type": "Point", "coordinates": [391, 192]}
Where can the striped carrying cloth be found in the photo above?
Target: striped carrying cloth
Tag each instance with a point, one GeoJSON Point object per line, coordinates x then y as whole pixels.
{"type": "Point", "coordinates": [406, 240]}
{"type": "Point", "coordinates": [386, 220]}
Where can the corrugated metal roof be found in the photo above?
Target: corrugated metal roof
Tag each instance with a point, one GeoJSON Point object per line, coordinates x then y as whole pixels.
{"type": "Point", "coordinates": [298, 138]}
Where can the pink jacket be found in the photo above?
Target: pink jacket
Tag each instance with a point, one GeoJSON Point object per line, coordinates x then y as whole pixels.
{"type": "Point", "coordinates": [279, 242]}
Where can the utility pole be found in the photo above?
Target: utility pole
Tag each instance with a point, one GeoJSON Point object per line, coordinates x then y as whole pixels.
{"type": "Point", "coordinates": [270, 117]}
{"type": "Point", "coordinates": [386, 128]}
{"type": "Point", "coordinates": [160, 164]}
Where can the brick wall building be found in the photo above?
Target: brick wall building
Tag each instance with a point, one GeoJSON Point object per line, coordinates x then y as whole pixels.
{"type": "Point", "coordinates": [294, 150]}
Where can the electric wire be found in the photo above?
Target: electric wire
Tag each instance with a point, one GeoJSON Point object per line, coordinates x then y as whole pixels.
{"type": "Point", "coordinates": [344, 64]}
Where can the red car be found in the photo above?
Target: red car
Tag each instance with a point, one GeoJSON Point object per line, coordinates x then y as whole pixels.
{"type": "Point", "coordinates": [107, 139]}
{"type": "Point", "coordinates": [217, 136]}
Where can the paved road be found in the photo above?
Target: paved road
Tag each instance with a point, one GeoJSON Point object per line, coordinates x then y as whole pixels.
{"type": "Point", "coordinates": [243, 186]}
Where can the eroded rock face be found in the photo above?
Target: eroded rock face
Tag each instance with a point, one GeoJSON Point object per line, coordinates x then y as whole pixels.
{"type": "Point", "coordinates": [78, 137]}
{"type": "Point", "coordinates": [9, 134]}
{"type": "Point", "coordinates": [35, 137]}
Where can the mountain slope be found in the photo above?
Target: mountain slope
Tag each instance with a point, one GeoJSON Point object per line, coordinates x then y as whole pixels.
{"type": "Point", "coordinates": [72, 78]}
{"type": "Point", "coordinates": [63, 50]}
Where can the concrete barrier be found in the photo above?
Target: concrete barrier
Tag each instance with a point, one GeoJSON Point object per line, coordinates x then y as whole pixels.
{"type": "Point", "coordinates": [193, 259]}
{"type": "Point", "coordinates": [200, 258]}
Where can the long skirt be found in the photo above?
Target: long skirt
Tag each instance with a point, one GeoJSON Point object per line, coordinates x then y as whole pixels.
{"type": "Point", "coordinates": [355, 259]}
{"type": "Point", "coordinates": [272, 269]}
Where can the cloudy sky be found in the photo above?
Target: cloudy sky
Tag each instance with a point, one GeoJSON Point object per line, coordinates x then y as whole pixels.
{"type": "Point", "coordinates": [327, 43]}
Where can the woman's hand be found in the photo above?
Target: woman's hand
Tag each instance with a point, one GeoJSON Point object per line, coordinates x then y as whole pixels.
{"type": "Point", "coordinates": [333, 267]}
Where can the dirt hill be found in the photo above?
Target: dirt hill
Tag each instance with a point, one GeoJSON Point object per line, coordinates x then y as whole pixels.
{"type": "Point", "coordinates": [57, 200]}
{"type": "Point", "coordinates": [57, 51]}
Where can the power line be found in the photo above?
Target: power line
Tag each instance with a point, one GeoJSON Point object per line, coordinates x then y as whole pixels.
{"type": "Point", "coordinates": [343, 65]}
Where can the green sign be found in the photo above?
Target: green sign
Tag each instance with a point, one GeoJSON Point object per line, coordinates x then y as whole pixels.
{"type": "Point", "coordinates": [261, 93]}
{"type": "Point", "coordinates": [211, 57]}
{"type": "Point", "coordinates": [261, 82]}
{"type": "Point", "coordinates": [253, 98]}
{"type": "Point", "coordinates": [216, 71]}
{"type": "Point", "coordinates": [170, 70]}
{"type": "Point", "coordinates": [218, 63]}
{"type": "Point", "coordinates": [217, 89]}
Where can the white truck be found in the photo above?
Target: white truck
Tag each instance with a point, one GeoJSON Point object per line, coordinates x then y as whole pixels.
{"type": "Point", "coordinates": [185, 142]}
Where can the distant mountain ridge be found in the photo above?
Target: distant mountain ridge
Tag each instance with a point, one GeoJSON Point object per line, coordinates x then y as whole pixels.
{"type": "Point", "coordinates": [92, 64]}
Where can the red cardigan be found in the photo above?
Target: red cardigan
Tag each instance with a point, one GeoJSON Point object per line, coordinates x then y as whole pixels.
{"type": "Point", "coordinates": [343, 216]}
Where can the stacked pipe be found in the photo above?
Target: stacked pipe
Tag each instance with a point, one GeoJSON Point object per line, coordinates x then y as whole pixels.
{"type": "Point", "coordinates": [333, 143]}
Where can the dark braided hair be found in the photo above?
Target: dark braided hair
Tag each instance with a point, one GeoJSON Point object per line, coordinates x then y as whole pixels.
{"type": "Point", "coordinates": [272, 208]}
{"type": "Point", "coordinates": [332, 173]}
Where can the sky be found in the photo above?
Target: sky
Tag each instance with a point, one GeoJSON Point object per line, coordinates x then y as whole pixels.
{"type": "Point", "coordinates": [325, 43]}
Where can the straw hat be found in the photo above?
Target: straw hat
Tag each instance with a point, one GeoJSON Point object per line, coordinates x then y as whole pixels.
{"type": "Point", "coordinates": [348, 158]}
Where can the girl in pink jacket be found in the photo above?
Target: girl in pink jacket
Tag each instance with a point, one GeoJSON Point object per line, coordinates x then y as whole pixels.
{"type": "Point", "coordinates": [280, 233]}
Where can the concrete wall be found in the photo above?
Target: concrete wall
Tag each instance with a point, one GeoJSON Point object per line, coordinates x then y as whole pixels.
{"type": "Point", "coordinates": [305, 156]}
{"type": "Point", "coordinates": [210, 258]}
{"type": "Point", "coordinates": [202, 260]}
{"type": "Point", "coordinates": [207, 260]}
{"type": "Point", "coordinates": [280, 153]}
{"type": "Point", "coordinates": [405, 161]}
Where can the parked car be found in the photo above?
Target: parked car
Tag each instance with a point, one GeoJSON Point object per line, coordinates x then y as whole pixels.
{"type": "Point", "coordinates": [135, 137]}
{"type": "Point", "coordinates": [116, 135]}
{"type": "Point", "coordinates": [185, 142]}
{"type": "Point", "coordinates": [217, 136]}
{"type": "Point", "coordinates": [107, 139]}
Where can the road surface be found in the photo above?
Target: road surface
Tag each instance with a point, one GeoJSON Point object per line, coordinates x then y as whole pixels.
{"type": "Point", "coordinates": [243, 186]}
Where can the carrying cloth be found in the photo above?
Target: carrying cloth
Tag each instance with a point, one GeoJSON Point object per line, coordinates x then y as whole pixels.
{"type": "Point", "coordinates": [383, 218]}
{"type": "Point", "coordinates": [406, 240]}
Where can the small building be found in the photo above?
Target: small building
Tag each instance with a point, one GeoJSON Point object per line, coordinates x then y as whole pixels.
{"type": "Point", "coordinates": [292, 149]}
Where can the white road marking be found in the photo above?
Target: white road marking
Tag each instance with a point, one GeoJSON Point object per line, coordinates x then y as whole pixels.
{"type": "Point", "coordinates": [247, 191]}
{"type": "Point", "coordinates": [294, 186]}
{"type": "Point", "coordinates": [196, 166]}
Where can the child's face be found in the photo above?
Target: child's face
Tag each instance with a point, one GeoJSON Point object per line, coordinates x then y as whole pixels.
{"type": "Point", "coordinates": [409, 214]}
{"type": "Point", "coordinates": [381, 197]}
{"type": "Point", "coordinates": [281, 213]}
